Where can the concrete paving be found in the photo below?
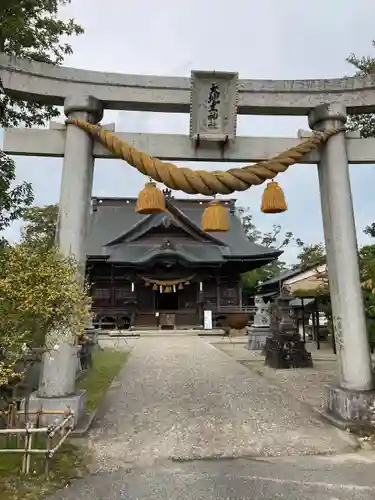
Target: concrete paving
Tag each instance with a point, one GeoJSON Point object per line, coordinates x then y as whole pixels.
{"type": "Point", "coordinates": [348, 477]}
{"type": "Point", "coordinates": [185, 420]}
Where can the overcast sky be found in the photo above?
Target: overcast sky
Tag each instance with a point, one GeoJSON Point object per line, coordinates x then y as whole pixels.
{"type": "Point", "coordinates": [268, 39]}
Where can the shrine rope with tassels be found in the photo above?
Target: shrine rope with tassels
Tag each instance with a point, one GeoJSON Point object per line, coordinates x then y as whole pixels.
{"type": "Point", "coordinates": [215, 217]}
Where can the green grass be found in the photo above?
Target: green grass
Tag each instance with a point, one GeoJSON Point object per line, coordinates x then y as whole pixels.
{"type": "Point", "coordinates": [107, 365]}
{"type": "Point", "coordinates": [71, 461]}
{"type": "Point", "coordinates": [68, 464]}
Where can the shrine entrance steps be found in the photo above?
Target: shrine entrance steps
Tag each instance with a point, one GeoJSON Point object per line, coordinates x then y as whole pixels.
{"type": "Point", "coordinates": [189, 332]}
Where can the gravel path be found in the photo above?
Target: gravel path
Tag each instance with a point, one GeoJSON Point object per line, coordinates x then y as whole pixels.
{"type": "Point", "coordinates": [305, 384]}
{"type": "Point", "coordinates": [182, 399]}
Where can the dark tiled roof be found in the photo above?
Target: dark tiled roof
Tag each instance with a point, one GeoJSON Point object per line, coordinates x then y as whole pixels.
{"type": "Point", "coordinates": [297, 302]}
{"type": "Point", "coordinates": [290, 273]}
{"type": "Point", "coordinates": [139, 254]}
{"type": "Point", "coordinates": [144, 225]}
{"type": "Point", "coordinates": [115, 228]}
{"type": "Point", "coordinates": [282, 276]}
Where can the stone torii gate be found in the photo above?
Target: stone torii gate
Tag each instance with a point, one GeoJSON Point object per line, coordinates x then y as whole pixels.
{"type": "Point", "coordinates": [85, 94]}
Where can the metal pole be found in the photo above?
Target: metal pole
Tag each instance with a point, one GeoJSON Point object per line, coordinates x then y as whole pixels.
{"type": "Point", "coordinates": [333, 341]}
{"type": "Point", "coordinates": [317, 324]}
{"type": "Point", "coordinates": [303, 320]}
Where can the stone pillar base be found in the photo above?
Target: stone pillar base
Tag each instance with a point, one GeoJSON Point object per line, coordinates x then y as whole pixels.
{"type": "Point", "coordinates": [75, 402]}
{"type": "Point", "coordinates": [286, 351]}
{"type": "Point", "coordinates": [257, 338]}
{"type": "Point", "coordinates": [348, 408]}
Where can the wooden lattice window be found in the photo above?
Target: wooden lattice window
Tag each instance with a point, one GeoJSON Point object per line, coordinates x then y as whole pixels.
{"type": "Point", "coordinates": [122, 293]}
{"type": "Point", "coordinates": [101, 293]}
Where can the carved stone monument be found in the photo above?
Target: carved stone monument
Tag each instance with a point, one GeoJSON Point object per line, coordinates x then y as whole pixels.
{"type": "Point", "coordinates": [285, 349]}
{"type": "Point", "coordinates": [261, 327]}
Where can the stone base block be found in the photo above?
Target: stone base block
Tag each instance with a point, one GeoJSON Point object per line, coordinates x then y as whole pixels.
{"type": "Point", "coordinates": [257, 338]}
{"type": "Point", "coordinates": [286, 351]}
{"type": "Point", "coordinates": [349, 407]}
{"type": "Point", "coordinates": [75, 402]}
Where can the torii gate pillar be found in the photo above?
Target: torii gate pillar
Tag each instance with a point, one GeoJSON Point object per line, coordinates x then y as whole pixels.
{"type": "Point", "coordinates": [58, 376]}
{"type": "Point", "coordinates": [77, 177]}
{"type": "Point", "coordinates": [349, 401]}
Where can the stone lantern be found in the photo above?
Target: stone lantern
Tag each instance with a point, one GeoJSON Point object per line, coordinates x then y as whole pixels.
{"type": "Point", "coordinates": [285, 349]}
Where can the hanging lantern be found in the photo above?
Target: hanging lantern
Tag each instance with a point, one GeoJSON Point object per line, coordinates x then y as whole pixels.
{"type": "Point", "coordinates": [174, 288]}
{"type": "Point", "coordinates": [161, 289]}
{"type": "Point", "coordinates": [273, 199]}
{"type": "Point", "coordinates": [150, 200]}
{"type": "Point", "coordinates": [180, 286]}
{"type": "Point", "coordinates": [155, 287]}
{"type": "Point", "coordinates": [215, 218]}
{"type": "Point", "coordinates": [132, 287]}
{"type": "Point", "coordinates": [168, 289]}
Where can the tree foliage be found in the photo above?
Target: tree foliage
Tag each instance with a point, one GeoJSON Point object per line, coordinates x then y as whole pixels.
{"type": "Point", "coordinates": [40, 295]}
{"type": "Point", "coordinates": [310, 255]}
{"type": "Point", "coordinates": [370, 230]}
{"type": "Point", "coordinates": [365, 123]}
{"type": "Point", "coordinates": [366, 257]}
{"type": "Point", "coordinates": [13, 199]}
{"type": "Point", "coordinates": [31, 29]}
{"type": "Point", "coordinates": [367, 271]}
{"type": "Point", "coordinates": [276, 238]}
{"type": "Point", "coordinates": [39, 292]}
{"type": "Point", "coordinates": [40, 225]}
